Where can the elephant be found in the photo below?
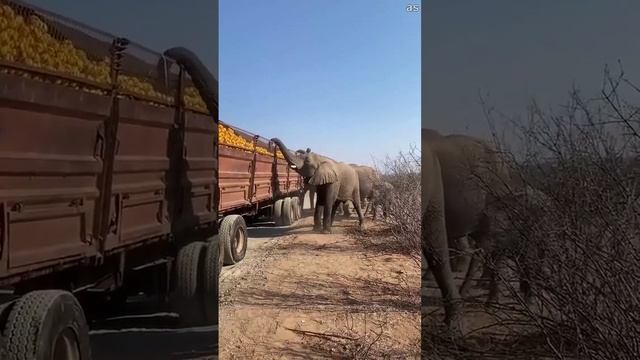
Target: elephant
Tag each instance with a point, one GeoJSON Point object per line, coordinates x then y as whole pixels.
{"type": "Point", "coordinates": [335, 182]}
{"type": "Point", "coordinates": [525, 200]}
{"type": "Point", "coordinates": [343, 209]}
{"type": "Point", "coordinates": [307, 187]}
{"type": "Point", "coordinates": [381, 196]}
{"type": "Point", "coordinates": [473, 175]}
{"type": "Point", "coordinates": [461, 176]}
{"type": "Point", "coordinates": [367, 177]}
{"type": "Point", "coordinates": [435, 248]}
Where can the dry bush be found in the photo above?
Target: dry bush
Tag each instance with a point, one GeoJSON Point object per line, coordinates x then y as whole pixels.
{"type": "Point", "coordinates": [403, 220]}
{"type": "Point", "coordinates": [580, 252]}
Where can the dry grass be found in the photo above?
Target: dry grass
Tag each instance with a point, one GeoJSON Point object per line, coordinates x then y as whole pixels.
{"type": "Point", "coordinates": [580, 252]}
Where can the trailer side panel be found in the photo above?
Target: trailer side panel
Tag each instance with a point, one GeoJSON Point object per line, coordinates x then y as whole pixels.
{"type": "Point", "coordinates": [50, 162]}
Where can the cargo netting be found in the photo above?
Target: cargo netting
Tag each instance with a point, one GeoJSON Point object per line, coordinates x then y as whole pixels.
{"type": "Point", "coordinates": [44, 46]}
{"type": "Point", "coordinates": [41, 45]}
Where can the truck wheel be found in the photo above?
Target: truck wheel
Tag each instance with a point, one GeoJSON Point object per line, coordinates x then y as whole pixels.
{"type": "Point", "coordinates": [211, 278]}
{"type": "Point", "coordinates": [46, 324]}
{"type": "Point", "coordinates": [294, 208]}
{"type": "Point", "coordinates": [287, 212]}
{"type": "Point", "coordinates": [277, 212]}
{"type": "Point", "coordinates": [233, 234]}
{"type": "Point", "coordinates": [188, 299]}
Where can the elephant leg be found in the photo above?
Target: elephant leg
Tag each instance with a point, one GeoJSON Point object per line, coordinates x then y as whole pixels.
{"type": "Point", "coordinates": [374, 210]}
{"type": "Point", "coordinates": [356, 205]}
{"type": "Point", "coordinates": [301, 199]}
{"type": "Point", "coordinates": [326, 220]}
{"type": "Point", "coordinates": [483, 246]}
{"type": "Point", "coordinates": [334, 210]}
{"type": "Point", "coordinates": [437, 256]}
{"type": "Point", "coordinates": [331, 196]}
{"type": "Point", "coordinates": [495, 281]}
{"type": "Point", "coordinates": [460, 254]}
{"type": "Point", "coordinates": [474, 265]}
{"type": "Point", "coordinates": [345, 209]}
{"type": "Point", "coordinates": [370, 205]}
{"type": "Point", "coordinates": [324, 202]}
{"type": "Point", "coordinates": [317, 217]}
{"type": "Point", "coordinates": [526, 288]}
{"type": "Point", "coordinates": [311, 198]}
{"type": "Point", "coordinates": [427, 273]}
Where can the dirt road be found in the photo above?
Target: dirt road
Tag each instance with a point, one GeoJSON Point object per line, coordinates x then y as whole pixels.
{"type": "Point", "coordinates": [301, 295]}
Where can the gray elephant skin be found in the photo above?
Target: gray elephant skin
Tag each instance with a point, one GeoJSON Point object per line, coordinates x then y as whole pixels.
{"type": "Point", "coordinates": [509, 235]}
{"type": "Point", "coordinates": [381, 197]}
{"type": "Point", "coordinates": [334, 182]}
{"type": "Point", "coordinates": [461, 176]}
{"type": "Point", "coordinates": [367, 178]}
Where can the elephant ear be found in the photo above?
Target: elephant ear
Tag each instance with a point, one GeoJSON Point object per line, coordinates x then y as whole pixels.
{"type": "Point", "coordinates": [326, 174]}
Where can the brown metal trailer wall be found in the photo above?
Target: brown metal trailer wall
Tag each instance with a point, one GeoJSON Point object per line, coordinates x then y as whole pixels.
{"type": "Point", "coordinates": [295, 180]}
{"type": "Point", "coordinates": [142, 173]}
{"type": "Point", "coordinates": [244, 183]}
{"type": "Point", "coordinates": [48, 172]}
{"type": "Point", "coordinates": [138, 204]}
{"type": "Point", "coordinates": [264, 175]}
{"type": "Point", "coordinates": [82, 175]}
{"type": "Point", "coordinates": [201, 140]}
{"type": "Point", "coordinates": [235, 178]}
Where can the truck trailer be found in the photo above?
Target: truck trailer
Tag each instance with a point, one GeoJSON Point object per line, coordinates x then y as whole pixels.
{"type": "Point", "coordinates": [114, 182]}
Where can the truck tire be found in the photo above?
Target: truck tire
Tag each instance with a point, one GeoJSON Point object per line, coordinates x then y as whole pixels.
{"type": "Point", "coordinates": [188, 289]}
{"type": "Point", "coordinates": [287, 212]}
{"type": "Point", "coordinates": [211, 268]}
{"type": "Point", "coordinates": [277, 212]}
{"type": "Point", "coordinates": [46, 324]}
{"type": "Point", "coordinates": [233, 234]}
{"type": "Point", "coordinates": [294, 208]}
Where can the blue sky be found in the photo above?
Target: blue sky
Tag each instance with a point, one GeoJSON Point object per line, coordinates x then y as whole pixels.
{"type": "Point", "coordinates": [516, 52]}
{"type": "Point", "coordinates": [340, 77]}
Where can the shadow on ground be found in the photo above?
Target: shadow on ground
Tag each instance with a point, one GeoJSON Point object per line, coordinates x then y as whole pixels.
{"type": "Point", "coordinates": [260, 230]}
{"type": "Point", "coordinates": [143, 331]}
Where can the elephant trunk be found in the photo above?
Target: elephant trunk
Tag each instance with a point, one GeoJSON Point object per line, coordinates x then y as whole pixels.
{"type": "Point", "coordinates": [203, 80]}
{"type": "Point", "coordinates": [287, 154]}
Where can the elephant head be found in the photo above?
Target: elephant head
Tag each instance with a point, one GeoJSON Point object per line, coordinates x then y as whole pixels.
{"type": "Point", "coordinates": [382, 189]}
{"type": "Point", "coordinates": [203, 80]}
{"type": "Point", "coordinates": [318, 169]}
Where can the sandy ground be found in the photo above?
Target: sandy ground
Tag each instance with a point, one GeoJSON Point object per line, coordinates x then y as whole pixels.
{"type": "Point", "coordinates": [302, 295]}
